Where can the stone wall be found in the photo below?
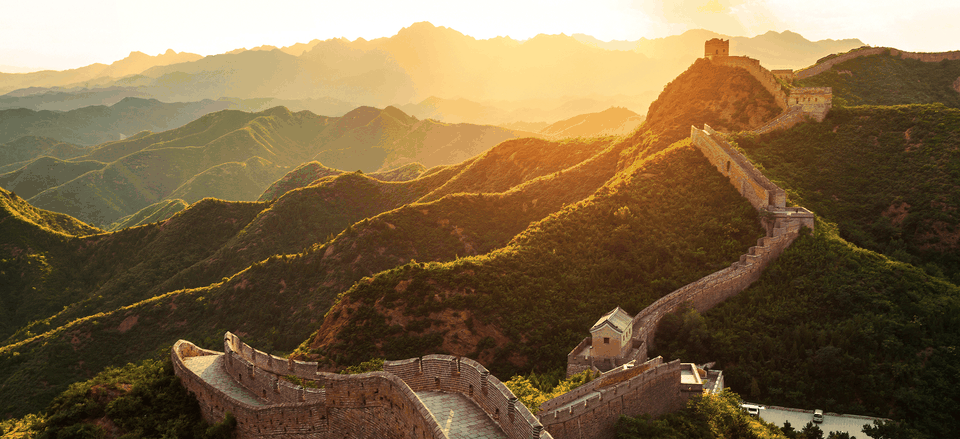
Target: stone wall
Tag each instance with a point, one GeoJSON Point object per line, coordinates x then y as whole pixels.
{"type": "Point", "coordinates": [766, 78]}
{"type": "Point", "coordinates": [821, 67]}
{"type": "Point", "coordinates": [375, 404]}
{"type": "Point", "coordinates": [444, 373]}
{"type": "Point", "coordinates": [814, 101]}
{"type": "Point", "coordinates": [752, 184]}
{"type": "Point", "coordinates": [785, 120]}
{"type": "Point", "coordinates": [656, 391]}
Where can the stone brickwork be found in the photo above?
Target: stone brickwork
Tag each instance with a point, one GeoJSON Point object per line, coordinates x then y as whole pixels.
{"type": "Point", "coordinates": [368, 405]}
{"type": "Point", "coordinates": [749, 181]}
{"type": "Point", "coordinates": [377, 404]}
{"type": "Point", "coordinates": [822, 66]}
{"type": "Point", "coordinates": [592, 412]}
{"type": "Point", "coordinates": [812, 101]}
{"type": "Point", "coordinates": [716, 48]}
{"type": "Point", "coordinates": [444, 373]}
{"type": "Point", "coordinates": [785, 120]}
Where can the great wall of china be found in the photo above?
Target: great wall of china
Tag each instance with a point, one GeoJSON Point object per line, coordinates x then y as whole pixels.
{"type": "Point", "coordinates": [392, 404]}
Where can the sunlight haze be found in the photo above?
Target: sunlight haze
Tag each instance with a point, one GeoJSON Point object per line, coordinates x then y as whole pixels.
{"type": "Point", "coordinates": [65, 34]}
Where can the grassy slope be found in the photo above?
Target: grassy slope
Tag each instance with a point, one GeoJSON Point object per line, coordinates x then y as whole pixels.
{"type": "Point", "coordinates": [154, 172]}
{"type": "Point", "coordinates": [888, 80]}
{"type": "Point", "coordinates": [889, 176]}
{"type": "Point", "coordinates": [155, 212]}
{"type": "Point", "coordinates": [44, 173]}
{"type": "Point", "coordinates": [30, 147]}
{"type": "Point", "coordinates": [236, 181]}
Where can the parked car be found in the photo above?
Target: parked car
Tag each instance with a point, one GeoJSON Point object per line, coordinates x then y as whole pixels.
{"type": "Point", "coordinates": [752, 409]}
{"type": "Point", "coordinates": [818, 416]}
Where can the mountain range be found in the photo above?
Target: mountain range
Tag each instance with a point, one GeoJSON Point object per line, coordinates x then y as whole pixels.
{"type": "Point", "coordinates": [448, 75]}
{"type": "Point", "coordinates": [228, 154]}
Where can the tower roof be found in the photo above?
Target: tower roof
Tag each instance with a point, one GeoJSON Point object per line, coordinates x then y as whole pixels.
{"type": "Point", "coordinates": [618, 319]}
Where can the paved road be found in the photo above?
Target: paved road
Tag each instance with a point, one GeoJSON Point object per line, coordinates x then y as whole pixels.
{"type": "Point", "coordinates": [459, 417]}
{"type": "Point", "coordinates": [851, 424]}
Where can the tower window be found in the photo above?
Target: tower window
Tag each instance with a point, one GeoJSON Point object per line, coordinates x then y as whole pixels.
{"type": "Point", "coordinates": [606, 340]}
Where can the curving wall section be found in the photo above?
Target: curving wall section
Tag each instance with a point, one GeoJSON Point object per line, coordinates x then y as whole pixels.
{"type": "Point", "coordinates": [248, 383]}
{"type": "Point", "coordinates": [825, 65]}
{"type": "Point", "coordinates": [374, 404]}
{"type": "Point", "coordinates": [444, 373]}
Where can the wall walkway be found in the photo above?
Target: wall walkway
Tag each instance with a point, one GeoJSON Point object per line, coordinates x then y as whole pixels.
{"type": "Point", "coordinates": [249, 384]}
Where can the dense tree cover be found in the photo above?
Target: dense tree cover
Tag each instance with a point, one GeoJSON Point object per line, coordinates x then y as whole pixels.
{"type": "Point", "coordinates": [889, 80]}
{"type": "Point", "coordinates": [276, 300]}
{"type": "Point", "coordinates": [646, 233]}
{"type": "Point", "coordinates": [888, 176]}
{"type": "Point", "coordinates": [834, 326]}
{"type": "Point", "coordinates": [710, 416]}
{"type": "Point", "coordinates": [535, 389]}
{"type": "Point", "coordinates": [143, 400]}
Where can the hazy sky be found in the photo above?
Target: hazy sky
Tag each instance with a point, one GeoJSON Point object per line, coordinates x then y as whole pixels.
{"type": "Point", "coordinates": [67, 34]}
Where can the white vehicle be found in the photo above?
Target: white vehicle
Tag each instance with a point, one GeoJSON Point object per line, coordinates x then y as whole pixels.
{"type": "Point", "coordinates": [818, 416]}
{"type": "Point", "coordinates": [752, 409]}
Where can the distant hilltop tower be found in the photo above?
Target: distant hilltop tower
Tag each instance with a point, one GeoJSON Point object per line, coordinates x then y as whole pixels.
{"type": "Point", "coordinates": [716, 47]}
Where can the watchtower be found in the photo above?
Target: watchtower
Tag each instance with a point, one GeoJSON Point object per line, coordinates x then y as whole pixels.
{"type": "Point", "coordinates": [716, 47]}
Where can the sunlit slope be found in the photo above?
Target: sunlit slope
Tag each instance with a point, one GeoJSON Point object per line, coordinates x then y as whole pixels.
{"type": "Point", "coordinates": [280, 300]}
{"type": "Point", "coordinates": [157, 170]}
{"type": "Point", "coordinates": [44, 173]}
{"type": "Point", "coordinates": [516, 161]}
{"type": "Point", "coordinates": [888, 176]}
{"type": "Point", "coordinates": [612, 121]}
{"type": "Point", "coordinates": [236, 181]}
{"type": "Point", "coordinates": [158, 211]}
{"type": "Point", "coordinates": [726, 98]}
{"type": "Point", "coordinates": [370, 139]}
{"type": "Point", "coordinates": [30, 147]}
{"type": "Point", "coordinates": [16, 210]}
{"type": "Point", "coordinates": [888, 80]}
{"type": "Point", "coordinates": [650, 229]}
{"type": "Point", "coordinates": [58, 280]}
{"type": "Point", "coordinates": [303, 175]}
{"type": "Point", "coordinates": [835, 326]}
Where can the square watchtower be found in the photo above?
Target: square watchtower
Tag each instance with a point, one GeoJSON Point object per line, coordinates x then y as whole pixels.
{"type": "Point", "coordinates": [716, 47]}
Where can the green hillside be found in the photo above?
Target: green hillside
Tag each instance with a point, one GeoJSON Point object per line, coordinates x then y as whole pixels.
{"type": "Point", "coordinates": [27, 148]}
{"type": "Point", "coordinates": [44, 173]}
{"type": "Point", "coordinates": [525, 305]}
{"type": "Point", "coordinates": [888, 80]}
{"type": "Point", "coordinates": [158, 211]}
{"type": "Point", "coordinates": [235, 181]}
{"type": "Point", "coordinates": [236, 156]}
{"type": "Point", "coordinates": [888, 176]}
{"type": "Point", "coordinates": [833, 326]}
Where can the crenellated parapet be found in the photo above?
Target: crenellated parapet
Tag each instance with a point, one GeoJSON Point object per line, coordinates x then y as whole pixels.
{"type": "Point", "coordinates": [254, 386]}
{"type": "Point", "coordinates": [592, 410]}
{"type": "Point", "coordinates": [445, 373]}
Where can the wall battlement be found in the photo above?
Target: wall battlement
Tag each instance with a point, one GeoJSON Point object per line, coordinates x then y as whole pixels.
{"type": "Point", "coordinates": [376, 404]}
{"type": "Point", "coordinates": [592, 410]}
{"type": "Point", "coordinates": [827, 64]}
{"type": "Point", "coordinates": [813, 101]}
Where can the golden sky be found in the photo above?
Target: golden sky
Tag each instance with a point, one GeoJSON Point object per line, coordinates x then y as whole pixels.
{"type": "Point", "coordinates": [58, 34]}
